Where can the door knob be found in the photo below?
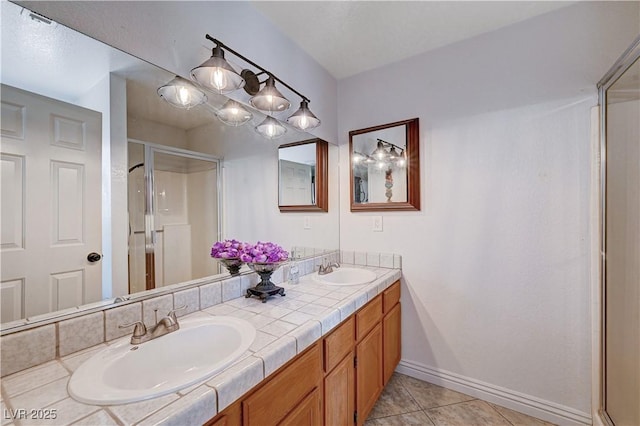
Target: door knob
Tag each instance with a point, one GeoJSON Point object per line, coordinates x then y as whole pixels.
{"type": "Point", "coordinates": [93, 257]}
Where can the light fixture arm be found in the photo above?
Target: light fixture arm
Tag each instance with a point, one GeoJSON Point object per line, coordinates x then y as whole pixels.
{"type": "Point", "coordinates": [247, 60]}
{"type": "Point", "coordinates": [391, 144]}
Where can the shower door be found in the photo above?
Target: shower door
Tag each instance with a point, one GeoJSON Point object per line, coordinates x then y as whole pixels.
{"type": "Point", "coordinates": [620, 103]}
{"type": "Point", "coordinates": [173, 215]}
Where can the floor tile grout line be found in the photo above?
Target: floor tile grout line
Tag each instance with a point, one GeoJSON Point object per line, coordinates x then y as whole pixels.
{"type": "Point", "coordinates": [499, 413]}
{"type": "Point", "coordinates": [394, 415]}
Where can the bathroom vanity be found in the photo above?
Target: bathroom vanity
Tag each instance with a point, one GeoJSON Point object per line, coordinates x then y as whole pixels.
{"type": "Point", "coordinates": [336, 381]}
{"type": "Point", "coordinates": [322, 355]}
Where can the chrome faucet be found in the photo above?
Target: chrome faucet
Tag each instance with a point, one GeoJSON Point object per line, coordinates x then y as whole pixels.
{"type": "Point", "coordinates": [328, 268]}
{"type": "Point", "coordinates": [166, 325]}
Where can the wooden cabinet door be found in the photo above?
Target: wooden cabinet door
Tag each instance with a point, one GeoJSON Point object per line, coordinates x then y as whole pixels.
{"type": "Point", "coordinates": [282, 393]}
{"type": "Point", "coordinates": [307, 413]}
{"type": "Point", "coordinates": [391, 329]}
{"type": "Point", "coordinates": [368, 372]}
{"type": "Point", "coordinates": [340, 394]}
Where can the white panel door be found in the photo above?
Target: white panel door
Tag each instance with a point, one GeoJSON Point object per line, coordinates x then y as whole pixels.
{"type": "Point", "coordinates": [295, 183]}
{"type": "Point", "coordinates": [51, 204]}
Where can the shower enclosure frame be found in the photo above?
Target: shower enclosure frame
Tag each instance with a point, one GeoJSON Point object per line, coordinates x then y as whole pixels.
{"type": "Point", "coordinates": [150, 149]}
{"type": "Point", "coordinates": [626, 60]}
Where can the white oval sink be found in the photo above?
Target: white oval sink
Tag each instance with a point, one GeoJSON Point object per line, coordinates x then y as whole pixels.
{"type": "Point", "coordinates": [345, 276]}
{"type": "Point", "coordinates": [124, 373]}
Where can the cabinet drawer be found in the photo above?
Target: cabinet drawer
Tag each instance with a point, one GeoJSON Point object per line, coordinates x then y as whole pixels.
{"type": "Point", "coordinates": [368, 317]}
{"type": "Point", "coordinates": [391, 296]}
{"type": "Point", "coordinates": [338, 344]}
{"type": "Point", "coordinates": [269, 404]}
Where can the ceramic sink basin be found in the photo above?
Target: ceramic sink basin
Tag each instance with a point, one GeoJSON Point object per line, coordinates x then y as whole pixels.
{"type": "Point", "coordinates": [345, 276]}
{"type": "Point", "coordinates": [124, 373]}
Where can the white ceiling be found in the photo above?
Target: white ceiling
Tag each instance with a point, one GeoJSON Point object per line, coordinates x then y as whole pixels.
{"type": "Point", "coordinates": [349, 37]}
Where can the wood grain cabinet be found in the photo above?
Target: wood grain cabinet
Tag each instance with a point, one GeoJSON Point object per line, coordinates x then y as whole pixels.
{"type": "Point", "coordinates": [391, 331]}
{"type": "Point", "coordinates": [335, 382]}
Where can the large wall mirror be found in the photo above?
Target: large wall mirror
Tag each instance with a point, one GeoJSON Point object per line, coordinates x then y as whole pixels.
{"type": "Point", "coordinates": [302, 176]}
{"type": "Point", "coordinates": [385, 167]}
{"type": "Point", "coordinates": [125, 193]}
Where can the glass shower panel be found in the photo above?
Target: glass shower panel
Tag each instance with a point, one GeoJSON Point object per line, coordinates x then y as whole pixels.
{"type": "Point", "coordinates": [622, 248]}
{"type": "Point", "coordinates": [186, 217]}
{"type": "Point", "coordinates": [136, 208]}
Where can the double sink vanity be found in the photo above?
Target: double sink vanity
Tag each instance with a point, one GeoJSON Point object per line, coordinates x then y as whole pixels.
{"type": "Point", "coordinates": [319, 355]}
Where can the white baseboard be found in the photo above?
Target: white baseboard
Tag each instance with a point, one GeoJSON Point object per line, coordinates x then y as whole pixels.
{"type": "Point", "coordinates": [527, 404]}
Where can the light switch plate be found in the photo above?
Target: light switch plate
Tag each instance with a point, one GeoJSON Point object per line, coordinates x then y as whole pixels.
{"type": "Point", "coordinates": [377, 223]}
{"type": "Point", "coordinates": [307, 222]}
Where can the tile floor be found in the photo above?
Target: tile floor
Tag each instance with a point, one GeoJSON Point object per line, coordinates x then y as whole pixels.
{"type": "Point", "coordinates": [409, 401]}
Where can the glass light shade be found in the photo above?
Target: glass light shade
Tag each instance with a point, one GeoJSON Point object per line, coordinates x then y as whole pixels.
{"type": "Point", "coordinates": [271, 128]}
{"type": "Point", "coordinates": [379, 152]}
{"type": "Point", "coordinates": [393, 154]}
{"type": "Point", "coordinates": [234, 114]}
{"type": "Point", "coordinates": [217, 74]}
{"type": "Point", "coordinates": [303, 119]}
{"type": "Point", "coordinates": [181, 93]}
{"type": "Point", "coordinates": [402, 160]}
{"type": "Point", "coordinates": [269, 98]}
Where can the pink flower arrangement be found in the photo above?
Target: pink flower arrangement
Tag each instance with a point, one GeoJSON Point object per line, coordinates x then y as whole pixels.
{"type": "Point", "coordinates": [261, 252]}
{"type": "Point", "coordinates": [264, 252]}
{"type": "Point", "coordinates": [228, 249]}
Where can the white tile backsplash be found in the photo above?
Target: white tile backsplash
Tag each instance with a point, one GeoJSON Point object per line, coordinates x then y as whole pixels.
{"type": "Point", "coordinates": [115, 317]}
{"type": "Point", "coordinates": [231, 289]}
{"type": "Point", "coordinates": [163, 304]}
{"type": "Point", "coordinates": [348, 257]}
{"type": "Point", "coordinates": [27, 349]}
{"type": "Point", "coordinates": [360, 258]}
{"type": "Point", "coordinates": [189, 298]}
{"type": "Point", "coordinates": [80, 333]}
{"type": "Point", "coordinates": [373, 259]}
{"type": "Point", "coordinates": [386, 260]}
{"type": "Point", "coordinates": [210, 295]}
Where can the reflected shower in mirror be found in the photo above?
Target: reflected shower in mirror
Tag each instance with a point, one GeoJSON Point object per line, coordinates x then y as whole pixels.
{"type": "Point", "coordinates": [302, 176]}
{"type": "Point", "coordinates": [136, 128]}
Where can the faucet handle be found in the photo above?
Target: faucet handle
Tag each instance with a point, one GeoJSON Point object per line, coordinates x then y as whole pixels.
{"type": "Point", "coordinates": [139, 331]}
{"type": "Point", "coordinates": [172, 313]}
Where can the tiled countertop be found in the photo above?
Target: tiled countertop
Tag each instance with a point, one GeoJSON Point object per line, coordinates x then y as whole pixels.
{"type": "Point", "coordinates": [285, 327]}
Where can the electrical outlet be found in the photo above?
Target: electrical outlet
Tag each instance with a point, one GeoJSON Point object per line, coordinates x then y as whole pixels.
{"type": "Point", "coordinates": [377, 224]}
{"type": "Point", "coordinates": [307, 222]}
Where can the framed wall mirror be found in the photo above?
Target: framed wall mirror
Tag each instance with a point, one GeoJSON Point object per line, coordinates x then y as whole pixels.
{"type": "Point", "coordinates": [385, 167]}
{"type": "Point", "coordinates": [302, 176]}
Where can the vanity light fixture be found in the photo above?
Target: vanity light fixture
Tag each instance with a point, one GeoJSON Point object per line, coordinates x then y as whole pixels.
{"type": "Point", "coordinates": [303, 118]}
{"type": "Point", "coordinates": [234, 114]}
{"type": "Point", "coordinates": [181, 93]}
{"type": "Point", "coordinates": [218, 75]}
{"type": "Point", "coordinates": [271, 128]}
{"type": "Point", "coordinates": [269, 98]}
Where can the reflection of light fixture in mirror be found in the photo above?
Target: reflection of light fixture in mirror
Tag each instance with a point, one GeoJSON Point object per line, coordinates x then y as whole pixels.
{"type": "Point", "coordinates": [402, 160]}
{"type": "Point", "coordinates": [303, 119]}
{"type": "Point", "coordinates": [182, 93]}
{"type": "Point", "coordinates": [233, 113]}
{"type": "Point", "coordinates": [379, 152]}
{"type": "Point", "coordinates": [217, 74]}
{"type": "Point", "coordinates": [269, 98]}
{"type": "Point", "coordinates": [357, 158]}
{"type": "Point", "coordinates": [271, 128]}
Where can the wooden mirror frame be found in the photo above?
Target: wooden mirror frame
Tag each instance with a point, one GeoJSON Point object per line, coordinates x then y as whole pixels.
{"type": "Point", "coordinates": [322, 177]}
{"type": "Point", "coordinates": [413, 168]}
